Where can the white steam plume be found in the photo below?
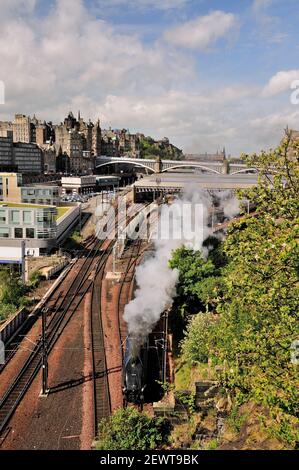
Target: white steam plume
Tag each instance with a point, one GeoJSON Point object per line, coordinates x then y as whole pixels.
{"type": "Point", "coordinates": [156, 282]}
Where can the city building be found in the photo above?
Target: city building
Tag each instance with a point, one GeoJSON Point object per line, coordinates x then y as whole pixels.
{"type": "Point", "coordinates": [50, 159]}
{"type": "Point", "coordinates": [28, 158]}
{"type": "Point", "coordinates": [6, 150]}
{"type": "Point", "coordinates": [216, 157]}
{"type": "Point", "coordinates": [78, 184]}
{"type": "Point", "coordinates": [107, 182]}
{"type": "Point", "coordinates": [12, 190]}
{"type": "Point", "coordinates": [39, 228]}
{"type": "Point", "coordinates": [110, 143]}
{"type": "Point", "coordinates": [22, 129]}
{"type": "Point", "coordinates": [77, 144]}
{"type": "Point", "coordinates": [35, 224]}
{"type": "Point", "coordinates": [25, 157]}
{"type": "Point", "coordinates": [73, 144]}
{"type": "Point", "coordinates": [117, 143]}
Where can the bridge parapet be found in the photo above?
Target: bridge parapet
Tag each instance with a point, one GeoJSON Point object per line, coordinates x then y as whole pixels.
{"type": "Point", "coordinates": [161, 166]}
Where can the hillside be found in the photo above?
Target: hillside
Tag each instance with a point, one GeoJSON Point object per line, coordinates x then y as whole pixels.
{"type": "Point", "coordinates": [150, 148]}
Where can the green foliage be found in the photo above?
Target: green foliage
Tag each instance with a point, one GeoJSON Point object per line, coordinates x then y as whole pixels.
{"type": "Point", "coordinates": [256, 295]}
{"type": "Point", "coordinates": [186, 399]}
{"type": "Point", "coordinates": [236, 420]}
{"type": "Point", "coordinates": [73, 242]}
{"type": "Point", "coordinates": [182, 374]}
{"type": "Point", "coordinates": [6, 310]}
{"type": "Point", "coordinates": [35, 278]}
{"type": "Point", "coordinates": [259, 310]}
{"type": "Point", "coordinates": [129, 429]}
{"type": "Point", "coordinates": [11, 293]}
{"type": "Point", "coordinates": [149, 148]}
{"type": "Point", "coordinates": [198, 338]}
{"type": "Point", "coordinates": [199, 281]}
{"type": "Point", "coordinates": [213, 444]}
{"type": "Point", "coordinates": [284, 427]}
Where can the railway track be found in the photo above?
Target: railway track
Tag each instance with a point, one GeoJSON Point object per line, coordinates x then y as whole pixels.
{"type": "Point", "coordinates": [69, 304]}
{"type": "Point", "coordinates": [54, 303]}
{"type": "Point", "coordinates": [101, 393]}
{"type": "Point", "coordinates": [61, 307]}
{"type": "Point", "coordinates": [124, 291]}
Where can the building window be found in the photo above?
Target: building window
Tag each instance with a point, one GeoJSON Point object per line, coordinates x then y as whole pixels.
{"type": "Point", "coordinates": [27, 217]}
{"type": "Point", "coordinates": [29, 232]}
{"type": "Point", "coordinates": [4, 232]}
{"type": "Point", "coordinates": [15, 217]}
{"type": "Point", "coordinates": [2, 216]}
{"type": "Point", "coordinates": [18, 233]}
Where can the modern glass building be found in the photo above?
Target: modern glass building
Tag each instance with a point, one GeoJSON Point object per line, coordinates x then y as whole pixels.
{"type": "Point", "coordinates": [13, 190]}
{"type": "Point", "coordinates": [35, 224]}
{"type": "Point", "coordinates": [40, 195]}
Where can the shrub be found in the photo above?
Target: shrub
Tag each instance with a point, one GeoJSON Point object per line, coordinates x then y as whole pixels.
{"type": "Point", "coordinates": [129, 429]}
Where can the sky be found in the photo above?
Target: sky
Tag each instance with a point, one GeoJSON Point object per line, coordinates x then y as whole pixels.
{"type": "Point", "coordinates": [207, 74]}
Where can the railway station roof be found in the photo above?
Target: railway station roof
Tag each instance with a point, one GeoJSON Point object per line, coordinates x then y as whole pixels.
{"type": "Point", "coordinates": [181, 181]}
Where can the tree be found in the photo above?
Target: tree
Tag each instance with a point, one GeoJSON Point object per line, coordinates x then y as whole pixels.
{"type": "Point", "coordinates": [196, 344]}
{"type": "Point", "coordinates": [199, 280]}
{"type": "Point", "coordinates": [11, 293]}
{"type": "Point", "coordinates": [128, 429]}
{"type": "Point", "coordinates": [260, 303]}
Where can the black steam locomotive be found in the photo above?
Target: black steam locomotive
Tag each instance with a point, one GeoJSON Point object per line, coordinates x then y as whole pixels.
{"type": "Point", "coordinates": [134, 373]}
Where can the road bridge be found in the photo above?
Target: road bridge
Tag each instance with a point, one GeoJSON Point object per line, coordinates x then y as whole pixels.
{"type": "Point", "coordinates": [221, 167]}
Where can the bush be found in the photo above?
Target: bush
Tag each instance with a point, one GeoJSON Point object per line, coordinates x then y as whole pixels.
{"type": "Point", "coordinates": [129, 429]}
{"type": "Point", "coordinates": [198, 338]}
{"type": "Point", "coordinates": [35, 278]}
{"type": "Point", "coordinates": [6, 310]}
{"type": "Point", "coordinates": [11, 289]}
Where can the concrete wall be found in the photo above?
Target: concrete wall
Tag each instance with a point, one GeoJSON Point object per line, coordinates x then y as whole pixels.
{"type": "Point", "coordinates": [11, 326]}
{"type": "Point", "coordinates": [67, 222]}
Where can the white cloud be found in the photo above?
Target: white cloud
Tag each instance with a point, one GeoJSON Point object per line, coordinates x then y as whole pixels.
{"type": "Point", "coordinates": [202, 32]}
{"type": "Point", "coordinates": [143, 4]}
{"type": "Point", "coordinates": [69, 59]}
{"type": "Point", "coordinates": [280, 82]}
{"type": "Point", "coordinates": [276, 121]}
{"type": "Point", "coordinates": [259, 5]}
{"type": "Point", "coordinates": [54, 59]}
{"type": "Point", "coordinates": [9, 7]}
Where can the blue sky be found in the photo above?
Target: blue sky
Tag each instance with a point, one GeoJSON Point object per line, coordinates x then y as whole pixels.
{"type": "Point", "coordinates": [205, 73]}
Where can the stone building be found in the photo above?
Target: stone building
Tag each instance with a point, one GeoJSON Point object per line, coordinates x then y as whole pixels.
{"type": "Point", "coordinates": [119, 142]}
{"type": "Point", "coordinates": [80, 142]}
{"type": "Point", "coordinates": [50, 158]}
{"type": "Point", "coordinates": [129, 144]}
{"type": "Point", "coordinates": [110, 143]}
{"type": "Point", "coordinates": [71, 146]}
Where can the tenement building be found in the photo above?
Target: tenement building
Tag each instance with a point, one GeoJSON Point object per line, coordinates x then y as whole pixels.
{"type": "Point", "coordinates": [80, 142]}
{"type": "Point", "coordinates": [71, 146]}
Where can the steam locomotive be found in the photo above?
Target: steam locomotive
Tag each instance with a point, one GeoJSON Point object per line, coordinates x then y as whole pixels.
{"type": "Point", "coordinates": [134, 373]}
